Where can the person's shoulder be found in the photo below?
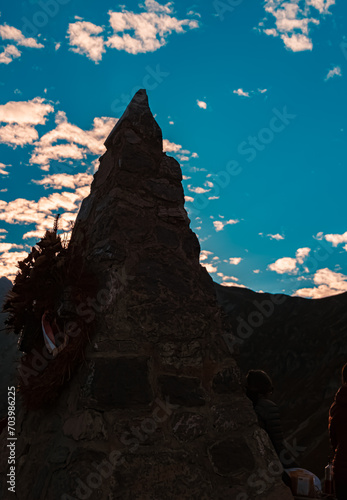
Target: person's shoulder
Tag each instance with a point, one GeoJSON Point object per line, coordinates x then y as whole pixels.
{"type": "Point", "coordinates": [266, 403]}
{"type": "Point", "coordinates": [267, 409]}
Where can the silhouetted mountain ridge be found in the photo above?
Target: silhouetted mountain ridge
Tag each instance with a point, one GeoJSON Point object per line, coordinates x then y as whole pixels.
{"type": "Point", "coordinates": [302, 344]}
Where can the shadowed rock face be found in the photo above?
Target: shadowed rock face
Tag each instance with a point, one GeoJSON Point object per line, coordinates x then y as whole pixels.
{"type": "Point", "coordinates": [157, 411]}
{"type": "Point", "coordinates": [302, 344]}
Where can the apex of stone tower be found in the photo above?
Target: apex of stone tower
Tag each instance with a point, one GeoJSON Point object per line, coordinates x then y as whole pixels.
{"type": "Point", "coordinates": [139, 118]}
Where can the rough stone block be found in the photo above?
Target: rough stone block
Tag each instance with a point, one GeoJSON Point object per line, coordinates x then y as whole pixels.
{"type": "Point", "coordinates": [225, 382]}
{"type": "Point", "coordinates": [188, 426]}
{"type": "Point", "coordinates": [231, 456]}
{"type": "Point", "coordinates": [121, 383]}
{"type": "Point", "coordinates": [183, 391]}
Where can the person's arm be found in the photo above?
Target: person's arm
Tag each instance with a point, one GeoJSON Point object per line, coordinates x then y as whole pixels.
{"type": "Point", "coordinates": [269, 418]}
{"type": "Point", "coordinates": [269, 415]}
{"type": "Point", "coordinates": [274, 429]}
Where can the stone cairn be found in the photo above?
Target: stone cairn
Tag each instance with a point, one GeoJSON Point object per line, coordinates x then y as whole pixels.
{"type": "Point", "coordinates": [157, 410]}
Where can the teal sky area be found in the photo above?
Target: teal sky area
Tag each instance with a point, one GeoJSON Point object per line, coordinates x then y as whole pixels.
{"type": "Point", "coordinates": [251, 100]}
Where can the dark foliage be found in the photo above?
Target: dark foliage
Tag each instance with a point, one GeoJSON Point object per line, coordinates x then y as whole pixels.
{"type": "Point", "coordinates": [51, 279]}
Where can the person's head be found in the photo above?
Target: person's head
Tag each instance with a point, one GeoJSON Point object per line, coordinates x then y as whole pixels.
{"type": "Point", "coordinates": [259, 383]}
{"type": "Point", "coordinates": [344, 374]}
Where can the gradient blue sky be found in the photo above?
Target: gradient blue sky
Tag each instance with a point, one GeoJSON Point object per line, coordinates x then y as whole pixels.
{"type": "Point", "coordinates": [250, 97]}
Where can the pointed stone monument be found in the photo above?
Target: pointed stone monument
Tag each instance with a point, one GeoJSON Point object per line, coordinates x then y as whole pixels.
{"type": "Point", "coordinates": [157, 410]}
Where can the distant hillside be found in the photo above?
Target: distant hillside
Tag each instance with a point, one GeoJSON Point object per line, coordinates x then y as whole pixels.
{"type": "Point", "coordinates": [8, 351]}
{"type": "Point", "coordinates": [5, 286]}
{"type": "Point", "coordinates": [302, 344]}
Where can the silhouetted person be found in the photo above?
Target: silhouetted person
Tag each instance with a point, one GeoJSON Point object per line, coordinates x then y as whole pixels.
{"type": "Point", "coordinates": [259, 390]}
{"type": "Point", "coordinates": [338, 437]}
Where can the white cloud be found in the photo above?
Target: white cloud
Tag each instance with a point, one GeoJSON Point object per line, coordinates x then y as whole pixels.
{"type": "Point", "coordinates": [133, 33]}
{"type": "Point", "coordinates": [275, 236]}
{"type": "Point", "coordinates": [209, 184]}
{"type": "Point", "coordinates": [328, 283]}
{"type": "Point", "coordinates": [3, 171]}
{"type": "Point", "coordinates": [8, 263]}
{"type": "Point", "coordinates": [270, 32]}
{"type": "Point", "coordinates": [201, 104]}
{"type": "Point", "coordinates": [256, 271]}
{"type": "Point", "coordinates": [235, 261]}
{"type": "Point", "coordinates": [198, 190]}
{"type": "Point", "coordinates": [219, 224]}
{"type": "Point", "coordinates": [42, 212]}
{"type": "Point", "coordinates": [171, 147]}
{"type": "Point", "coordinates": [336, 239]}
{"type": "Point", "coordinates": [293, 20]}
{"type": "Point", "coordinates": [183, 158]}
{"type": "Point", "coordinates": [301, 254]}
{"type": "Point", "coordinates": [319, 236]}
{"type": "Point", "coordinates": [149, 29]}
{"type": "Point", "coordinates": [297, 42]}
{"type": "Point", "coordinates": [11, 33]}
{"type": "Point", "coordinates": [60, 181]}
{"type": "Point", "coordinates": [5, 247]}
{"type": "Point", "coordinates": [10, 52]}
{"type": "Point", "coordinates": [21, 118]}
{"type": "Point", "coordinates": [322, 6]}
{"type": "Point", "coordinates": [192, 13]}
{"type": "Point", "coordinates": [204, 255]}
{"type": "Point", "coordinates": [153, 6]}
{"type": "Point", "coordinates": [289, 264]}
{"type": "Point", "coordinates": [233, 284]}
{"type": "Point", "coordinates": [227, 278]}
{"type": "Point", "coordinates": [57, 46]}
{"type": "Point", "coordinates": [78, 143]}
{"type": "Point", "coordinates": [213, 197]}
{"type": "Point", "coordinates": [32, 112]}
{"type": "Point", "coordinates": [334, 72]}
{"type": "Point", "coordinates": [241, 92]}
{"type": "Point", "coordinates": [189, 199]}
{"type": "Point", "coordinates": [84, 38]}
{"type": "Point", "coordinates": [284, 265]}
{"type": "Point", "coordinates": [18, 135]}
{"type": "Point", "coordinates": [3, 234]}
{"type": "Point", "coordinates": [209, 267]}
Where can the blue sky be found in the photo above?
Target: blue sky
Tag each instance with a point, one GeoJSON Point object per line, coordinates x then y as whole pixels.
{"type": "Point", "coordinates": [251, 100]}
